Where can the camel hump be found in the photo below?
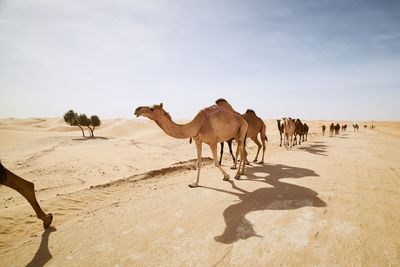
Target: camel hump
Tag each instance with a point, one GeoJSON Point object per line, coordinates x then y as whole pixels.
{"type": "Point", "coordinates": [251, 111]}
{"type": "Point", "coordinates": [220, 100]}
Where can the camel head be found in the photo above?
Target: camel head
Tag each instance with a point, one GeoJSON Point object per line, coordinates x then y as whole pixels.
{"type": "Point", "coordinates": [152, 112]}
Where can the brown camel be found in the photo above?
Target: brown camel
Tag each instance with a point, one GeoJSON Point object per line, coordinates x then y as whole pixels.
{"type": "Point", "coordinates": [337, 129]}
{"type": "Point", "coordinates": [323, 130]}
{"type": "Point", "coordinates": [27, 190]}
{"type": "Point", "coordinates": [299, 131]}
{"type": "Point", "coordinates": [211, 125]}
{"type": "Point", "coordinates": [344, 128]}
{"type": "Point", "coordinates": [281, 130]}
{"type": "Point", "coordinates": [256, 126]}
{"type": "Point", "coordinates": [289, 129]}
{"type": "Point", "coordinates": [355, 127]}
{"type": "Point", "coordinates": [331, 129]}
{"type": "Point", "coordinates": [305, 132]}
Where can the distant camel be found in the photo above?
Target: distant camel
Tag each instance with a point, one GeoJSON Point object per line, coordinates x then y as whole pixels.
{"type": "Point", "coordinates": [323, 130]}
{"type": "Point", "coordinates": [27, 190]}
{"type": "Point", "coordinates": [344, 127]}
{"type": "Point", "coordinates": [365, 126]}
{"type": "Point", "coordinates": [211, 125]}
{"type": "Point", "coordinates": [281, 130]}
{"type": "Point", "coordinates": [305, 132]}
{"type": "Point", "coordinates": [289, 128]}
{"type": "Point", "coordinates": [337, 129]}
{"type": "Point", "coordinates": [255, 126]}
{"type": "Point", "coordinates": [331, 129]}
{"type": "Point", "coordinates": [372, 126]}
{"type": "Point", "coordinates": [299, 131]}
{"type": "Point", "coordinates": [355, 127]}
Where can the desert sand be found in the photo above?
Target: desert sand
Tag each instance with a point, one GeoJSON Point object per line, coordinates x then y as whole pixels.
{"type": "Point", "coordinates": [122, 199]}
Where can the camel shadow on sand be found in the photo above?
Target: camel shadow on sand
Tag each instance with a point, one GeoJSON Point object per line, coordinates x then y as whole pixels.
{"type": "Point", "coordinates": [318, 148]}
{"type": "Point", "coordinates": [282, 196]}
{"type": "Point", "coordinates": [43, 254]}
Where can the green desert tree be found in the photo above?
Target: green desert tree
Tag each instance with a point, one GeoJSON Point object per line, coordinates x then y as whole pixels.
{"type": "Point", "coordinates": [71, 117]}
{"type": "Point", "coordinates": [94, 122]}
{"type": "Point", "coordinates": [83, 120]}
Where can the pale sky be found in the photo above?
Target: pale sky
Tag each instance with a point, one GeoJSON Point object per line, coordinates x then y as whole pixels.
{"type": "Point", "coordinates": [318, 59]}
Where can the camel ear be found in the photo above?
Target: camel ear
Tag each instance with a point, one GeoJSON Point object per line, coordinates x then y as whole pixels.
{"type": "Point", "coordinates": [161, 105]}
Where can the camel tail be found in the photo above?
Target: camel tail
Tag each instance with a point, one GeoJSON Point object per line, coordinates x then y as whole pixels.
{"type": "Point", "coordinates": [190, 140]}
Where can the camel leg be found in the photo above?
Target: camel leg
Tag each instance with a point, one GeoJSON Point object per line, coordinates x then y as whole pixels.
{"type": "Point", "coordinates": [255, 140]}
{"type": "Point", "coordinates": [27, 190]}
{"type": "Point", "coordinates": [281, 139]}
{"type": "Point", "coordinates": [214, 152]}
{"type": "Point", "coordinates": [199, 162]}
{"type": "Point", "coordinates": [264, 146]}
{"type": "Point", "coordinates": [230, 149]}
{"type": "Point", "coordinates": [236, 158]}
{"type": "Point", "coordinates": [222, 152]}
{"type": "Point", "coordinates": [242, 161]}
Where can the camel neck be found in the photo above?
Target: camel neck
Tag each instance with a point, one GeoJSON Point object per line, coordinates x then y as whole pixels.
{"type": "Point", "coordinates": [181, 131]}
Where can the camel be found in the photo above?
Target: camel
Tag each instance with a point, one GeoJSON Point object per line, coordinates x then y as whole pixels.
{"type": "Point", "coordinates": [355, 127]}
{"type": "Point", "coordinates": [255, 126]}
{"type": "Point", "coordinates": [27, 190]}
{"type": "Point", "coordinates": [281, 130]}
{"type": "Point", "coordinates": [289, 129]}
{"type": "Point", "coordinates": [211, 125]}
{"type": "Point", "coordinates": [323, 130]}
{"type": "Point", "coordinates": [344, 128]}
{"type": "Point", "coordinates": [305, 132]}
{"type": "Point", "coordinates": [337, 129]}
{"type": "Point", "coordinates": [299, 131]}
{"type": "Point", "coordinates": [331, 129]}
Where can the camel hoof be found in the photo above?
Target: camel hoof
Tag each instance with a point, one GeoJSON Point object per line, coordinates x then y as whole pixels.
{"type": "Point", "coordinates": [233, 168]}
{"type": "Point", "coordinates": [237, 177]}
{"type": "Point", "coordinates": [226, 178]}
{"type": "Point", "coordinates": [193, 185]}
{"type": "Point", "coordinates": [48, 220]}
{"type": "Point", "coordinates": [261, 162]}
{"type": "Point", "coordinates": [255, 160]}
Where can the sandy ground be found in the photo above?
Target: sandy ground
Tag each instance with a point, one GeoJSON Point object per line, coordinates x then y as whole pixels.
{"type": "Point", "coordinates": [122, 199]}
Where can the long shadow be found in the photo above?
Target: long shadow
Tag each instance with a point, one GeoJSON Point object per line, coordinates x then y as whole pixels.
{"type": "Point", "coordinates": [282, 196]}
{"type": "Point", "coordinates": [43, 254]}
{"type": "Point", "coordinates": [317, 149]}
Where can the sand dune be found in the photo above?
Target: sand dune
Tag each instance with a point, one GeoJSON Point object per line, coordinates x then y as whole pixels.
{"type": "Point", "coordinates": [122, 199]}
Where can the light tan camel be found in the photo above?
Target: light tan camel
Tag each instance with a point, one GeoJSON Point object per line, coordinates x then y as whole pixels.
{"type": "Point", "coordinates": [289, 127]}
{"type": "Point", "coordinates": [211, 125]}
{"type": "Point", "coordinates": [281, 130]}
{"type": "Point", "coordinates": [27, 190]}
{"type": "Point", "coordinates": [256, 126]}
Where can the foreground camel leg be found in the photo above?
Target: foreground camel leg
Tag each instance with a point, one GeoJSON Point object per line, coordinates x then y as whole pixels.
{"type": "Point", "coordinates": [222, 152]}
{"type": "Point", "coordinates": [242, 161]}
{"type": "Point", "coordinates": [230, 149]}
{"type": "Point", "coordinates": [199, 147]}
{"type": "Point", "coordinates": [214, 152]}
{"type": "Point", "coordinates": [27, 190]}
{"type": "Point", "coordinates": [264, 147]}
{"type": "Point", "coordinates": [255, 140]}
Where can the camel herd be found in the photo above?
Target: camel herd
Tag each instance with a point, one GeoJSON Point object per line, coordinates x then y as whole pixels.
{"type": "Point", "coordinates": [218, 123]}
{"type": "Point", "coordinates": [290, 129]}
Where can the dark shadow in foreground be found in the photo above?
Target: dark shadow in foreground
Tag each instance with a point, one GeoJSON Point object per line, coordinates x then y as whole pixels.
{"type": "Point", "coordinates": [43, 254]}
{"type": "Point", "coordinates": [282, 196]}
